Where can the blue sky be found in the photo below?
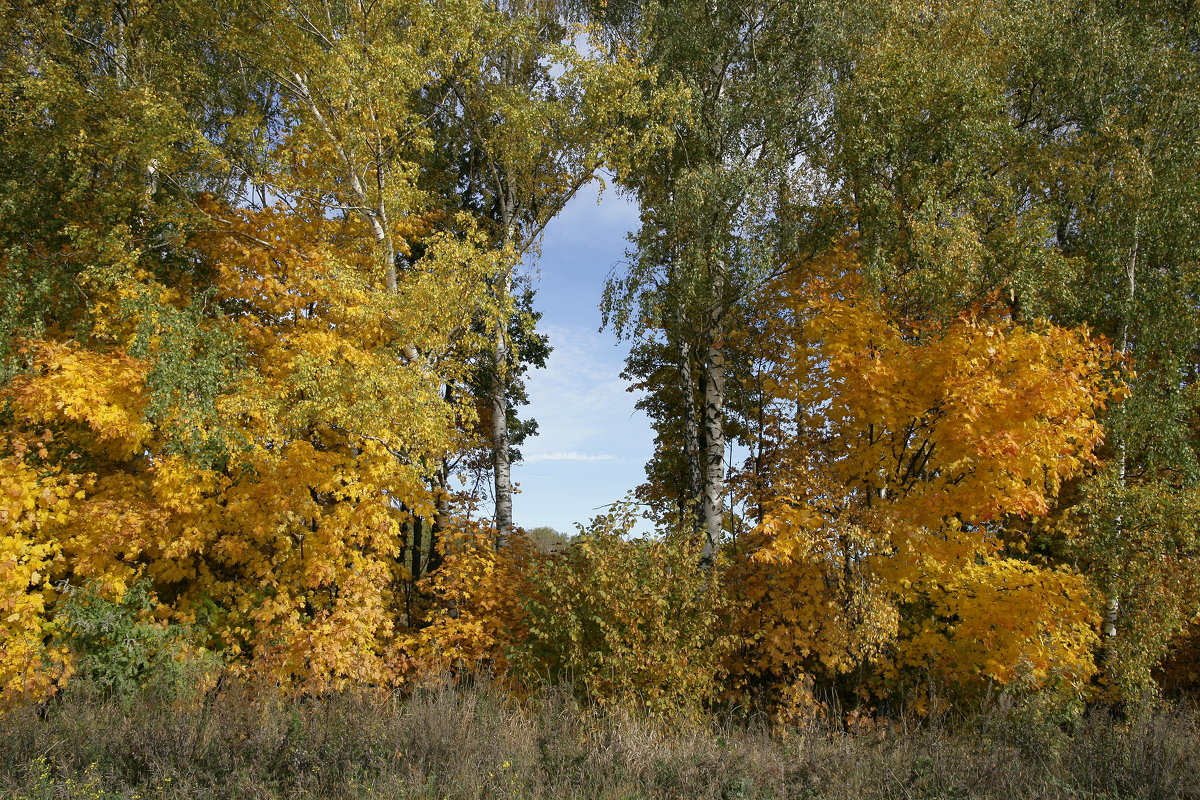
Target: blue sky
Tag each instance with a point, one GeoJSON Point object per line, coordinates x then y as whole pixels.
{"type": "Point", "coordinates": [592, 442]}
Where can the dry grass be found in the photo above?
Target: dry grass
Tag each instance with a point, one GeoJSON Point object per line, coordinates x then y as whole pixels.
{"type": "Point", "coordinates": [475, 743]}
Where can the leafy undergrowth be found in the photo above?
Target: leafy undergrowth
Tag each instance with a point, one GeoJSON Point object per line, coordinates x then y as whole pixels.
{"type": "Point", "coordinates": [476, 743]}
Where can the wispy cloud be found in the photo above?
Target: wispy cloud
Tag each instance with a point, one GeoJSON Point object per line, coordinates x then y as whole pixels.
{"type": "Point", "coordinates": [579, 401]}
{"type": "Point", "coordinates": [597, 220]}
{"type": "Point", "coordinates": [591, 441]}
{"type": "Point", "coordinates": [570, 455]}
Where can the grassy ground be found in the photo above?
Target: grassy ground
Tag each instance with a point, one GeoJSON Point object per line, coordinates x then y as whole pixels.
{"type": "Point", "coordinates": [475, 744]}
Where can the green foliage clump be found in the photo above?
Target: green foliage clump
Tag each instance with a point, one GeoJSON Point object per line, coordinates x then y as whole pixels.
{"type": "Point", "coordinates": [194, 360]}
{"type": "Point", "coordinates": [122, 651]}
{"type": "Point", "coordinates": [1142, 540]}
{"type": "Point", "coordinates": [625, 620]}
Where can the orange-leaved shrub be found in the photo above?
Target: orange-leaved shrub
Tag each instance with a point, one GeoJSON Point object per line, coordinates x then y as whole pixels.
{"type": "Point", "coordinates": [900, 456]}
{"type": "Point", "coordinates": [476, 596]}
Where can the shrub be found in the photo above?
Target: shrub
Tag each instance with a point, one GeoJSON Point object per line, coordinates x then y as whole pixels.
{"type": "Point", "coordinates": [122, 650]}
{"type": "Point", "coordinates": [629, 620]}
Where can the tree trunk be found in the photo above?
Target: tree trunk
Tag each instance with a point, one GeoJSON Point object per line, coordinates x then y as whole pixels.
{"type": "Point", "coordinates": [416, 554]}
{"type": "Point", "coordinates": [1112, 606]}
{"type": "Point", "coordinates": [441, 517]}
{"type": "Point", "coordinates": [501, 451]}
{"type": "Point", "coordinates": [713, 434]}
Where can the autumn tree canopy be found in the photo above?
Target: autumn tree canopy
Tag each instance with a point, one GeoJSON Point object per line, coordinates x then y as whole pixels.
{"type": "Point", "coordinates": [930, 267]}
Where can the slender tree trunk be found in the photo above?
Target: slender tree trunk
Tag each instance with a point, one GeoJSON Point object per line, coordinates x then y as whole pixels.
{"type": "Point", "coordinates": [501, 460]}
{"type": "Point", "coordinates": [691, 434]}
{"type": "Point", "coordinates": [387, 249]}
{"type": "Point", "coordinates": [121, 50]}
{"type": "Point", "coordinates": [1112, 606]}
{"type": "Point", "coordinates": [416, 555]}
{"type": "Point", "coordinates": [441, 517]}
{"type": "Point", "coordinates": [760, 461]}
{"type": "Point", "coordinates": [125, 64]}
{"type": "Point", "coordinates": [714, 448]}
{"type": "Point", "coordinates": [439, 486]}
{"type": "Point", "coordinates": [501, 450]}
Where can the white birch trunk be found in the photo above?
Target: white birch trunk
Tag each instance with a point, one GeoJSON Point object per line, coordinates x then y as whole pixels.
{"type": "Point", "coordinates": [712, 511]}
{"type": "Point", "coordinates": [1112, 606]}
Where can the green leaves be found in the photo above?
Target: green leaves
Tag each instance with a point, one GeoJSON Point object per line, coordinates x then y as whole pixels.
{"type": "Point", "coordinates": [626, 620]}
{"type": "Point", "coordinates": [123, 651]}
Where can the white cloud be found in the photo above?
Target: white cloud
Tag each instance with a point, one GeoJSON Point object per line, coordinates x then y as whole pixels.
{"type": "Point", "coordinates": [592, 442]}
{"type": "Point", "coordinates": [570, 455]}
{"type": "Point", "coordinates": [581, 403]}
{"type": "Point", "coordinates": [596, 216]}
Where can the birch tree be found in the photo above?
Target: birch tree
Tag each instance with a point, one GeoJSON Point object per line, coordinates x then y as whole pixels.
{"type": "Point", "coordinates": [1046, 154]}
{"type": "Point", "coordinates": [709, 197]}
{"type": "Point", "coordinates": [523, 122]}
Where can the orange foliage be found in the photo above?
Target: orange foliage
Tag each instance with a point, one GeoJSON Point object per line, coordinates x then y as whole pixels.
{"type": "Point", "coordinates": [898, 454]}
{"type": "Point", "coordinates": [289, 537]}
{"type": "Point", "coordinates": [478, 616]}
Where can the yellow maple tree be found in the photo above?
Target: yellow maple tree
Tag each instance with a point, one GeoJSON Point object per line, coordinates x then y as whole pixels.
{"type": "Point", "coordinates": [289, 535]}
{"type": "Point", "coordinates": [898, 455]}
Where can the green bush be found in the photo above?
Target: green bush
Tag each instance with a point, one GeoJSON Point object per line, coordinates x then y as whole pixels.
{"type": "Point", "coordinates": [122, 651]}
{"type": "Point", "coordinates": [624, 620]}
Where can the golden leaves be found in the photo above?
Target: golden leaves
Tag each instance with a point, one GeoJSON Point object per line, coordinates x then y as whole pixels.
{"type": "Point", "coordinates": [100, 394]}
{"type": "Point", "coordinates": [326, 430]}
{"type": "Point", "coordinates": [34, 506]}
{"type": "Point", "coordinates": [898, 452]}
